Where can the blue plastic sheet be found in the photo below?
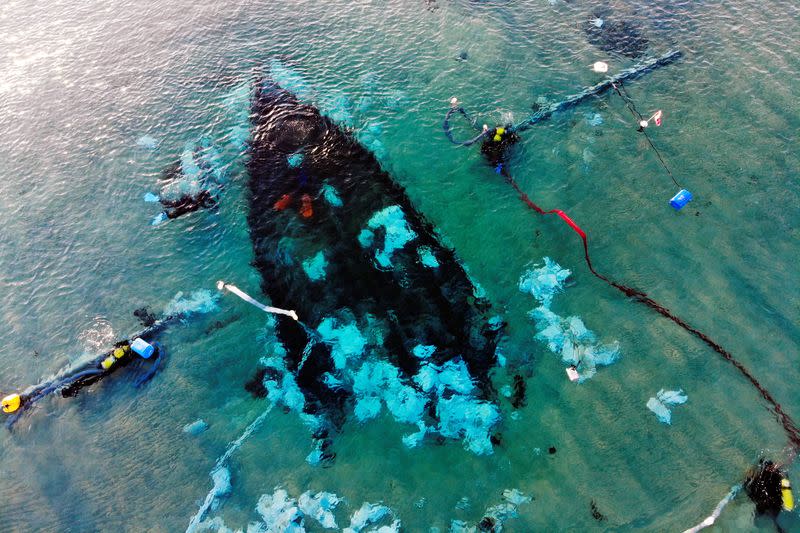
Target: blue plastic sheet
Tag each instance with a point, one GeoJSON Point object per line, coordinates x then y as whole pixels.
{"type": "Point", "coordinates": [368, 514]}
{"type": "Point", "coordinates": [567, 337]}
{"type": "Point", "coordinates": [199, 301]}
{"type": "Point", "coordinates": [147, 142]}
{"type": "Point", "coordinates": [661, 404]}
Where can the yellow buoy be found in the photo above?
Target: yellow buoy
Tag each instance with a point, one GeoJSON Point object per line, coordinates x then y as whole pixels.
{"type": "Point", "coordinates": [786, 494]}
{"type": "Point", "coordinates": [11, 403]}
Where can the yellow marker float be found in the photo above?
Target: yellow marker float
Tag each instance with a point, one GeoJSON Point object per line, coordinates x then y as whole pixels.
{"type": "Point", "coordinates": [11, 403]}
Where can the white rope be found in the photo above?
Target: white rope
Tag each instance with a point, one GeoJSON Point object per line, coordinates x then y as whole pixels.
{"type": "Point", "coordinates": [709, 520]}
{"type": "Point", "coordinates": [221, 285]}
{"type": "Point", "coordinates": [214, 494]}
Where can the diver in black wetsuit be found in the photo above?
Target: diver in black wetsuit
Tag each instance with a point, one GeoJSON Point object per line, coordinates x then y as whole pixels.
{"type": "Point", "coordinates": [184, 205]}
{"type": "Point", "coordinates": [769, 489]}
{"type": "Point", "coordinates": [123, 353]}
{"type": "Point", "coordinates": [496, 145]}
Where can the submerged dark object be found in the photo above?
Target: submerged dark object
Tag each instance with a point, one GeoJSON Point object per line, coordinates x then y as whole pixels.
{"type": "Point", "coordinates": [596, 514]}
{"type": "Point", "coordinates": [518, 392]}
{"type": "Point", "coordinates": [380, 264]}
{"type": "Point", "coordinates": [616, 36]}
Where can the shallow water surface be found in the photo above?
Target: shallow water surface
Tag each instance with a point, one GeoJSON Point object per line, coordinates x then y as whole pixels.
{"type": "Point", "coordinates": [83, 82]}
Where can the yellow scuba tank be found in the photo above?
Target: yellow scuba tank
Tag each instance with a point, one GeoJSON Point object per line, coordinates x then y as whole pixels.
{"type": "Point", "coordinates": [786, 495]}
{"type": "Point", "coordinates": [119, 353]}
{"type": "Point", "coordinates": [107, 362]}
{"type": "Point", "coordinates": [498, 134]}
{"type": "Point", "coordinates": [11, 403]}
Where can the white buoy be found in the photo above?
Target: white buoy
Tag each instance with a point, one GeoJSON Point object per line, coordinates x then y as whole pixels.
{"type": "Point", "coordinates": [601, 67]}
{"type": "Point", "coordinates": [572, 373]}
{"type": "Point", "coordinates": [644, 123]}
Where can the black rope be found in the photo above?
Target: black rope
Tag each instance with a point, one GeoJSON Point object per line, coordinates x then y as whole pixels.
{"type": "Point", "coordinates": [638, 116]}
{"type": "Point", "coordinates": [472, 122]}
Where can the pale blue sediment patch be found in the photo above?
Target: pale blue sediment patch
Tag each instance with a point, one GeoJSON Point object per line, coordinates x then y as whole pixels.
{"type": "Point", "coordinates": [282, 388]}
{"type": "Point", "coordinates": [290, 80]}
{"type": "Point", "coordinates": [331, 196]}
{"type": "Point", "coordinates": [544, 282]}
{"type": "Point", "coordinates": [148, 142]}
{"type": "Point", "coordinates": [499, 513]}
{"type": "Point", "coordinates": [426, 257]}
{"type": "Point", "coordinates": [295, 159]}
{"type": "Point", "coordinates": [315, 266]}
{"type": "Point", "coordinates": [397, 233]}
{"type": "Point", "coordinates": [346, 340]}
{"type": "Point", "coordinates": [372, 513]}
{"type": "Point", "coordinates": [221, 475]}
{"type": "Point", "coordinates": [423, 351]}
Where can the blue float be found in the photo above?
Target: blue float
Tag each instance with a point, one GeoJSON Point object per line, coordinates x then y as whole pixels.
{"type": "Point", "coordinates": [681, 199]}
{"type": "Point", "coordinates": [143, 348]}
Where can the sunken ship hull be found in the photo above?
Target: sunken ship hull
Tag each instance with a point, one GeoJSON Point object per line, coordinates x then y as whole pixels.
{"type": "Point", "coordinates": [338, 240]}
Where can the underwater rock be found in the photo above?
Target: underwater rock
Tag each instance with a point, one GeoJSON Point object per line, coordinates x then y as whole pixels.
{"type": "Point", "coordinates": [518, 392]}
{"type": "Point", "coordinates": [389, 284]}
{"type": "Point", "coordinates": [616, 36]}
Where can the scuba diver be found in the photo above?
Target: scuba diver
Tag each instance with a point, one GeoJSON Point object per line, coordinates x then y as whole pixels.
{"type": "Point", "coordinates": [70, 381]}
{"type": "Point", "coordinates": [496, 141]}
{"type": "Point", "coordinates": [769, 489]}
{"type": "Point", "coordinates": [496, 146]}
{"type": "Point", "coordinates": [192, 183]}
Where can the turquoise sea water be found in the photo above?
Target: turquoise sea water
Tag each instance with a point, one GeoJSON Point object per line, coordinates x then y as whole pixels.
{"type": "Point", "coordinates": [82, 82]}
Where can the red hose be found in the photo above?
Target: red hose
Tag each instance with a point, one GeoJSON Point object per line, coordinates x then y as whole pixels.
{"type": "Point", "coordinates": [786, 421]}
